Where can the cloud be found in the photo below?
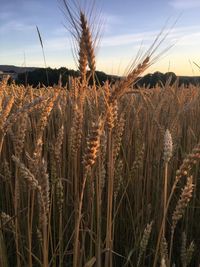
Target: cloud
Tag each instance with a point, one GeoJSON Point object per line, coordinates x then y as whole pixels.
{"type": "Point", "coordinates": [185, 4]}
{"type": "Point", "coordinates": [191, 39]}
{"type": "Point", "coordinates": [146, 38]}
{"type": "Point", "coordinates": [5, 15]}
{"type": "Point", "coordinates": [127, 39]}
{"type": "Point", "coordinates": [15, 25]}
{"type": "Point", "coordinates": [58, 43]}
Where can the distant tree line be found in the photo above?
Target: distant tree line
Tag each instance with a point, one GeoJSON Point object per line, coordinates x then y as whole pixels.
{"type": "Point", "coordinates": [50, 77]}
{"type": "Point", "coordinates": [160, 79]}
{"type": "Point", "coordinates": [39, 76]}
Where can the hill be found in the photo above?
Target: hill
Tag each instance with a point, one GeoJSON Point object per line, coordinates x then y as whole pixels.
{"type": "Point", "coordinates": [34, 76]}
{"type": "Point", "coordinates": [15, 69]}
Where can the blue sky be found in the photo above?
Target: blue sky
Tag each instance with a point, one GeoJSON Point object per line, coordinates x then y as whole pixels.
{"type": "Point", "coordinates": [127, 24]}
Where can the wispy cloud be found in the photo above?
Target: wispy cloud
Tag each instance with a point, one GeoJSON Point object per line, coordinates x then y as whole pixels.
{"type": "Point", "coordinates": [110, 21]}
{"type": "Point", "coordinates": [5, 15]}
{"type": "Point", "coordinates": [185, 4]}
{"type": "Point", "coordinates": [172, 36]}
{"type": "Point", "coordinates": [58, 43]}
{"type": "Point", "coordinates": [191, 39]}
{"type": "Point", "coordinates": [15, 25]}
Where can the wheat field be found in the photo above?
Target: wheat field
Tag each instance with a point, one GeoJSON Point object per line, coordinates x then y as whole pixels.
{"type": "Point", "coordinates": [99, 176]}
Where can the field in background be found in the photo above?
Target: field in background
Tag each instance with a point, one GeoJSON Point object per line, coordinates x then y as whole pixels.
{"type": "Point", "coordinates": [81, 174]}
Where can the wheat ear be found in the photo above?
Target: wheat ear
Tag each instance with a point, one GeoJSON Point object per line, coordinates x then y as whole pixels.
{"type": "Point", "coordinates": [91, 152]}
{"type": "Point", "coordinates": [144, 242]}
{"type": "Point", "coordinates": [185, 198]}
{"type": "Point", "coordinates": [168, 147]}
{"type": "Point", "coordinates": [125, 83]}
{"type": "Point", "coordinates": [89, 45]}
{"type": "Point", "coordinates": [82, 58]}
